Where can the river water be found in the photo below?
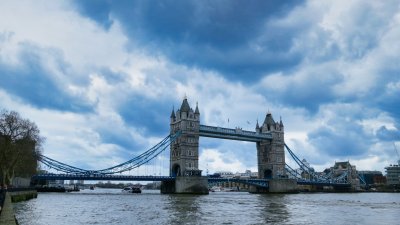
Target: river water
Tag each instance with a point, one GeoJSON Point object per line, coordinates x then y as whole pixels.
{"type": "Point", "coordinates": [111, 206]}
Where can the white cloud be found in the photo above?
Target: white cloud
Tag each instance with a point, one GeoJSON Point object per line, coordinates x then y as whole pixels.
{"type": "Point", "coordinates": [344, 57]}
{"type": "Point", "coordinates": [214, 161]}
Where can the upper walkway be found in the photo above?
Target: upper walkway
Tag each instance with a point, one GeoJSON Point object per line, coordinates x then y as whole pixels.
{"type": "Point", "coordinates": [233, 134]}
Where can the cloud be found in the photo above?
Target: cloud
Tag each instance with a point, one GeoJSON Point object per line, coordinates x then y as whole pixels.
{"type": "Point", "coordinates": [385, 134]}
{"type": "Point", "coordinates": [213, 161]}
{"type": "Point", "coordinates": [208, 32]}
{"type": "Point", "coordinates": [101, 78]}
{"type": "Point", "coordinates": [33, 79]}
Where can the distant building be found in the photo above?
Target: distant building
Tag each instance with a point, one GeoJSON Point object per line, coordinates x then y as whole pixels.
{"type": "Point", "coordinates": [225, 174]}
{"type": "Point", "coordinates": [56, 183]}
{"type": "Point", "coordinates": [393, 175]}
{"type": "Point", "coordinates": [372, 177]}
{"type": "Point", "coordinates": [304, 174]}
{"type": "Point", "coordinates": [345, 167]}
{"type": "Point", "coordinates": [246, 175]}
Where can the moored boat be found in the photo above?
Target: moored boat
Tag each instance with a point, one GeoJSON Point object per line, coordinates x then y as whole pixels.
{"type": "Point", "coordinates": [132, 190]}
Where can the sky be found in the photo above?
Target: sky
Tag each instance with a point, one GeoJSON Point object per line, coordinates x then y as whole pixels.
{"type": "Point", "coordinates": [100, 78]}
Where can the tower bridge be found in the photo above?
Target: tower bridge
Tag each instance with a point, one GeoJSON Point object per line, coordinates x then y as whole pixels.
{"type": "Point", "coordinates": [274, 175]}
{"type": "Point", "coordinates": [184, 154]}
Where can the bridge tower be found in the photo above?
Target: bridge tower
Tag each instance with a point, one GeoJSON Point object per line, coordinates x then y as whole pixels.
{"type": "Point", "coordinates": [184, 153]}
{"type": "Point", "coordinates": [271, 158]}
{"type": "Point", "coordinates": [271, 153]}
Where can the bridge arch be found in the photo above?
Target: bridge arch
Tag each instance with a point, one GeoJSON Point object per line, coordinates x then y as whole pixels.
{"type": "Point", "coordinates": [267, 174]}
{"type": "Point", "coordinates": [176, 170]}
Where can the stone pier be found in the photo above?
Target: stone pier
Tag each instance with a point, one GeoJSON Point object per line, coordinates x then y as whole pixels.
{"type": "Point", "coordinates": [277, 186]}
{"type": "Point", "coordinates": [185, 185]}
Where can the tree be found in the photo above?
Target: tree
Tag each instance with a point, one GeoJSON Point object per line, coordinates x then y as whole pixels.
{"type": "Point", "coordinates": [20, 144]}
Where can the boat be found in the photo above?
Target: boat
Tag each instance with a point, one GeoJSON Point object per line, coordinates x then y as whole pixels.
{"type": "Point", "coordinates": [91, 187]}
{"type": "Point", "coordinates": [132, 190]}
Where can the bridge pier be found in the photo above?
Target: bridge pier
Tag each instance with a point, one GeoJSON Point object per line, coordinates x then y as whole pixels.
{"type": "Point", "coordinates": [277, 186]}
{"type": "Point", "coordinates": [185, 185]}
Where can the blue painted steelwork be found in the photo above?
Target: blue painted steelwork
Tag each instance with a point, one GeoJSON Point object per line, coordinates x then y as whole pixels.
{"type": "Point", "coordinates": [308, 182]}
{"type": "Point", "coordinates": [233, 134]}
{"type": "Point", "coordinates": [75, 173]}
{"type": "Point", "coordinates": [315, 178]}
{"type": "Point", "coordinates": [126, 166]}
{"type": "Point", "coordinates": [255, 182]}
{"type": "Point", "coordinates": [362, 179]}
{"type": "Point", "coordinates": [51, 176]}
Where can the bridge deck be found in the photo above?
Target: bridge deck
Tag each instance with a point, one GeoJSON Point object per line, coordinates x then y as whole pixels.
{"type": "Point", "coordinates": [251, 181]}
{"type": "Point", "coordinates": [100, 177]}
{"type": "Point", "coordinates": [233, 134]}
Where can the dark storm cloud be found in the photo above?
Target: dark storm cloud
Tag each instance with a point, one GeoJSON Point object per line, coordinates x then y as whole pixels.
{"type": "Point", "coordinates": [231, 37]}
{"type": "Point", "coordinates": [146, 116]}
{"type": "Point", "coordinates": [35, 85]}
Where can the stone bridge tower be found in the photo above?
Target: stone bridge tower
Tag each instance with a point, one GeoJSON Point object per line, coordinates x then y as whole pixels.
{"type": "Point", "coordinates": [271, 154]}
{"type": "Point", "coordinates": [184, 154]}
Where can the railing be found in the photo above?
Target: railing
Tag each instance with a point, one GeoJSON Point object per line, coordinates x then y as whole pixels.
{"type": "Point", "coordinates": [251, 181]}
{"type": "Point", "coordinates": [50, 176]}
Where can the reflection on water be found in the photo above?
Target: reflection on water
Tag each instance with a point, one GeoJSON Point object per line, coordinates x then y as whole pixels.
{"type": "Point", "coordinates": [107, 206]}
{"type": "Point", "coordinates": [184, 209]}
{"type": "Point", "coordinates": [274, 208]}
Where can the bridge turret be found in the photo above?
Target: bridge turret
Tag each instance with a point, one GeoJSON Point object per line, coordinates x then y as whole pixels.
{"type": "Point", "coordinates": [271, 154]}
{"type": "Point", "coordinates": [184, 155]}
{"type": "Point", "coordinates": [197, 112]}
{"type": "Point", "coordinates": [269, 123]}
{"type": "Point", "coordinates": [173, 117]}
{"type": "Point", "coordinates": [258, 130]}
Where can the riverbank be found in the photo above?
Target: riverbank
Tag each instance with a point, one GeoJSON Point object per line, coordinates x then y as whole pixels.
{"type": "Point", "coordinates": [7, 216]}
{"type": "Point", "coordinates": [22, 195]}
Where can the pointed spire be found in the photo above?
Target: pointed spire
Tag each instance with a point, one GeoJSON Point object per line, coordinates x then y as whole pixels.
{"type": "Point", "coordinates": [197, 109]}
{"type": "Point", "coordinates": [257, 126]}
{"type": "Point", "coordinates": [280, 123]}
{"type": "Point", "coordinates": [268, 119]}
{"type": "Point", "coordinates": [185, 105]}
{"type": "Point", "coordinates": [173, 113]}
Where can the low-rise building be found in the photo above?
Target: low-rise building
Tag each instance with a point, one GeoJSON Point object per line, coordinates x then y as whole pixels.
{"type": "Point", "coordinates": [393, 174]}
{"type": "Point", "coordinates": [345, 167]}
{"type": "Point", "coordinates": [372, 177]}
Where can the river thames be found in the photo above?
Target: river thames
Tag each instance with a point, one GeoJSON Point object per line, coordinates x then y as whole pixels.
{"type": "Point", "coordinates": [111, 206]}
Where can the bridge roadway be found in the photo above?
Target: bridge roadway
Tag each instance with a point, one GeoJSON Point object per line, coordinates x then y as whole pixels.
{"type": "Point", "coordinates": [233, 134]}
{"type": "Point", "coordinates": [250, 181]}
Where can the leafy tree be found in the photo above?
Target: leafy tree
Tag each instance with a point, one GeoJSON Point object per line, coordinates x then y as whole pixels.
{"type": "Point", "coordinates": [20, 143]}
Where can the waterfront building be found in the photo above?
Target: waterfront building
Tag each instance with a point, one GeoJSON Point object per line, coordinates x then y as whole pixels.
{"type": "Point", "coordinates": [304, 174]}
{"type": "Point", "coordinates": [372, 177]}
{"type": "Point", "coordinates": [345, 167]}
{"type": "Point", "coordinates": [225, 174]}
{"type": "Point", "coordinates": [393, 175]}
{"type": "Point", "coordinates": [246, 175]}
{"type": "Point", "coordinates": [56, 183]}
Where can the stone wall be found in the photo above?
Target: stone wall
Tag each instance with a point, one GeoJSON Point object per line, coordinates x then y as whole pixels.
{"type": "Point", "coordinates": [7, 213]}
{"type": "Point", "coordinates": [185, 185]}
